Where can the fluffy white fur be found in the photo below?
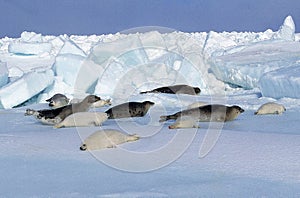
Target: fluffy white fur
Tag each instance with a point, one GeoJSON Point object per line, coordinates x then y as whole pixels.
{"type": "Point", "coordinates": [185, 122]}
{"type": "Point", "coordinates": [101, 103]}
{"type": "Point", "coordinates": [107, 138]}
{"type": "Point", "coordinates": [270, 108]}
{"type": "Point", "coordinates": [83, 119]}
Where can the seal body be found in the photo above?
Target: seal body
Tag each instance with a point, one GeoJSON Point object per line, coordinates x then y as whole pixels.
{"type": "Point", "coordinates": [175, 89]}
{"type": "Point", "coordinates": [270, 108]}
{"type": "Point", "coordinates": [58, 100]}
{"type": "Point", "coordinates": [54, 116]}
{"type": "Point", "coordinates": [208, 113]}
{"type": "Point", "coordinates": [185, 122]}
{"type": "Point", "coordinates": [129, 109]}
{"type": "Point", "coordinates": [107, 138]}
{"type": "Point", "coordinates": [82, 119]}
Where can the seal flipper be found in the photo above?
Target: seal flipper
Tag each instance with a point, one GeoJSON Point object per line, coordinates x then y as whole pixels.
{"type": "Point", "coordinates": [145, 92]}
{"type": "Point", "coordinates": [131, 138]}
{"type": "Point", "coordinates": [168, 117]}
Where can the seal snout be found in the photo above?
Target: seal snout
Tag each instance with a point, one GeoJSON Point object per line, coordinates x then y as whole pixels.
{"type": "Point", "coordinates": [97, 98]}
{"type": "Point", "coordinates": [83, 147]}
{"type": "Point", "coordinates": [151, 103]}
{"type": "Point", "coordinates": [241, 110]}
{"type": "Point", "coordinates": [197, 90]}
{"type": "Point", "coordinates": [92, 98]}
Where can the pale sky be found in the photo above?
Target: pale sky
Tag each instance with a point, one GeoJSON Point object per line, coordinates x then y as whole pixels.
{"type": "Point", "coordinates": [86, 17]}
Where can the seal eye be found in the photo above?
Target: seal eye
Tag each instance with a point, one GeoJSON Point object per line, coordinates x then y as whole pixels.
{"type": "Point", "coordinates": [83, 147]}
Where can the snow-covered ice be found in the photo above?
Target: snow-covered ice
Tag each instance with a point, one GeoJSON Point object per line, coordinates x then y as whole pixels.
{"type": "Point", "coordinates": [3, 74]}
{"type": "Point", "coordinates": [244, 65]}
{"type": "Point", "coordinates": [25, 88]}
{"type": "Point", "coordinates": [29, 48]}
{"type": "Point", "coordinates": [252, 156]}
{"type": "Point", "coordinates": [281, 83]}
{"type": "Point", "coordinates": [287, 30]}
{"type": "Point", "coordinates": [68, 66]}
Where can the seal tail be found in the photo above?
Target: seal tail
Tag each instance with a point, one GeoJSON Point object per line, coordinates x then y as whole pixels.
{"type": "Point", "coordinates": [132, 138]}
{"type": "Point", "coordinates": [144, 92]}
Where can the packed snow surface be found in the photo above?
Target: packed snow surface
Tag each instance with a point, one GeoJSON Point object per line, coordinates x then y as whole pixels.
{"type": "Point", "coordinates": [252, 156]}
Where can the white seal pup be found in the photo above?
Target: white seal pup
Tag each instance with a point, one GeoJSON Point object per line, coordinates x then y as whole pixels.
{"type": "Point", "coordinates": [129, 109]}
{"type": "Point", "coordinates": [185, 122]}
{"type": "Point", "coordinates": [175, 89]}
{"type": "Point", "coordinates": [58, 100]}
{"type": "Point", "coordinates": [196, 104]}
{"type": "Point", "coordinates": [81, 119]}
{"type": "Point", "coordinates": [108, 138]}
{"type": "Point", "coordinates": [208, 113]}
{"type": "Point", "coordinates": [101, 103]}
{"type": "Point", "coordinates": [270, 108]}
{"type": "Point", "coordinates": [54, 116]}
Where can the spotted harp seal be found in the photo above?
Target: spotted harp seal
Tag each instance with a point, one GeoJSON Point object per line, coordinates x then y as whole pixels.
{"type": "Point", "coordinates": [207, 113]}
{"type": "Point", "coordinates": [129, 109]}
{"type": "Point", "coordinates": [175, 89]}
{"type": "Point", "coordinates": [54, 116]}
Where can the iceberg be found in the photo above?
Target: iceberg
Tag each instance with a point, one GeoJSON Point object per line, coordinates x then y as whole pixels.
{"type": "Point", "coordinates": [68, 66]}
{"type": "Point", "coordinates": [30, 43]}
{"type": "Point", "coordinates": [15, 73]}
{"type": "Point", "coordinates": [215, 41]}
{"type": "Point", "coordinates": [3, 74]}
{"type": "Point", "coordinates": [113, 60]}
{"type": "Point", "coordinates": [134, 62]}
{"type": "Point", "coordinates": [244, 65]}
{"type": "Point", "coordinates": [31, 37]}
{"type": "Point", "coordinates": [22, 48]}
{"type": "Point", "coordinates": [23, 89]}
{"type": "Point", "coordinates": [287, 30]}
{"type": "Point", "coordinates": [70, 47]}
{"type": "Point", "coordinates": [284, 82]}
